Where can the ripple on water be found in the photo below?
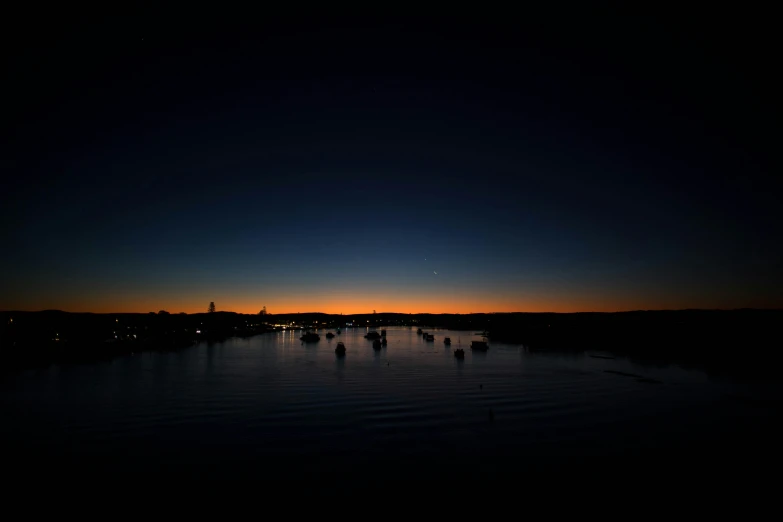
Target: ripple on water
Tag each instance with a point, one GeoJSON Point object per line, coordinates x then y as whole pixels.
{"type": "Point", "coordinates": [269, 395]}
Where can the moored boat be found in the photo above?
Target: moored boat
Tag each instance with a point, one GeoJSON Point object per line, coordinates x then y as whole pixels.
{"type": "Point", "coordinates": [310, 337]}
{"type": "Point", "coordinates": [419, 332]}
{"type": "Point", "coordinates": [447, 341]}
{"type": "Point", "coordinates": [340, 350]}
{"type": "Point", "coordinates": [383, 333]}
{"type": "Point", "coordinates": [372, 335]}
{"type": "Point", "coordinates": [459, 353]}
{"type": "Point", "coordinates": [329, 335]}
{"type": "Point", "coordinates": [479, 346]}
{"type": "Point", "coordinates": [430, 337]}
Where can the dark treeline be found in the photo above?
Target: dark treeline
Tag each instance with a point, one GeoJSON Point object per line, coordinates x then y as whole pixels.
{"type": "Point", "coordinates": [722, 340]}
{"type": "Point", "coordinates": [29, 339]}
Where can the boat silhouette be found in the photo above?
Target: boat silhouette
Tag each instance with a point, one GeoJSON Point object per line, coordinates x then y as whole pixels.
{"type": "Point", "coordinates": [310, 337]}
{"type": "Point", "coordinates": [479, 346]}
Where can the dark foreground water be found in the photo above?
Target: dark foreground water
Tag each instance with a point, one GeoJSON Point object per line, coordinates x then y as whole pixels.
{"type": "Point", "coordinates": [269, 406]}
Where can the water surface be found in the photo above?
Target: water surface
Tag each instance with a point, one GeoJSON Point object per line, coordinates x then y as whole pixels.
{"type": "Point", "coordinates": [271, 405]}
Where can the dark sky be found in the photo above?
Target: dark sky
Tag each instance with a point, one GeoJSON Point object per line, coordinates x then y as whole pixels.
{"type": "Point", "coordinates": [588, 162]}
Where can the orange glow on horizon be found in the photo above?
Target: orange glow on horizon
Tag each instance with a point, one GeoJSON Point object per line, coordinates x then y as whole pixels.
{"type": "Point", "coordinates": [383, 298]}
{"type": "Point", "coordinates": [453, 304]}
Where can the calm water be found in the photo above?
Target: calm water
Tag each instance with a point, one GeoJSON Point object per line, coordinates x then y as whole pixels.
{"type": "Point", "coordinates": [271, 405]}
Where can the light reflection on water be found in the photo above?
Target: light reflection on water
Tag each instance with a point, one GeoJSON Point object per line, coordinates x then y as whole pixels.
{"type": "Point", "coordinates": [271, 399]}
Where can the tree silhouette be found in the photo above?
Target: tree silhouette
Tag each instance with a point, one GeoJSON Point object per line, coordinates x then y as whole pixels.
{"type": "Point", "coordinates": [263, 311]}
{"type": "Point", "coordinates": [211, 308]}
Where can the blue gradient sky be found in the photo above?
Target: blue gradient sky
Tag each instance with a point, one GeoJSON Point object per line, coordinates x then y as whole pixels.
{"type": "Point", "coordinates": [338, 171]}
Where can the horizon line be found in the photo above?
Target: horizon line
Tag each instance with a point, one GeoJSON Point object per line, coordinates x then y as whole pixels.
{"type": "Point", "coordinates": [403, 313]}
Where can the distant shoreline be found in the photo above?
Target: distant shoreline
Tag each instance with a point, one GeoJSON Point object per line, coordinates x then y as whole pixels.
{"type": "Point", "coordinates": [737, 341]}
{"type": "Point", "coordinates": [650, 310]}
